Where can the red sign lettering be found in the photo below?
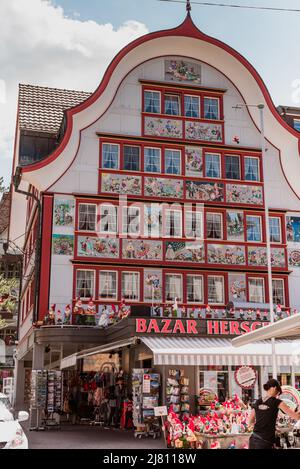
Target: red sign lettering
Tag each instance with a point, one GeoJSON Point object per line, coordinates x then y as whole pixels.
{"type": "Point", "coordinates": [224, 328]}
{"type": "Point", "coordinates": [166, 324]}
{"type": "Point", "coordinates": [153, 326]}
{"type": "Point", "coordinates": [256, 325]}
{"type": "Point", "coordinates": [179, 326]}
{"type": "Point", "coordinates": [245, 327]}
{"type": "Point", "coordinates": [234, 328]}
{"type": "Point", "coordinates": [192, 327]}
{"type": "Point", "coordinates": [213, 327]}
{"type": "Point", "coordinates": [140, 325]}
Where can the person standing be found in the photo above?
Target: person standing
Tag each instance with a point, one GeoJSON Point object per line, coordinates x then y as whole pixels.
{"type": "Point", "coordinates": [264, 415]}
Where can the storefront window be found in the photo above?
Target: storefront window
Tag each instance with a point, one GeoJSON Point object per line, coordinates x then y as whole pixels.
{"type": "Point", "coordinates": [278, 291]}
{"type": "Point", "coordinates": [152, 160]}
{"type": "Point", "coordinates": [216, 379]}
{"type": "Point", "coordinates": [108, 219]}
{"type": "Point", "coordinates": [110, 156]}
{"type": "Point", "coordinates": [194, 289]}
{"type": "Point", "coordinates": [108, 285]}
{"type": "Point", "coordinates": [85, 283]}
{"type": "Point", "coordinates": [215, 289]}
{"type": "Point", "coordinates": [87, 217]}
{"type": "Point", "coordinates": [214, 226]}
{"type": "Point", "coordinates": [173, 287]}
{"type": "Point", "coordinates": [256, 290]}
{"type": "Point", "coordinates": [131, 286]}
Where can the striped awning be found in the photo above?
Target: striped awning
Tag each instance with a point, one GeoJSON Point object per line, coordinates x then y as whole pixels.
{"type": "Point", "coordinates": [205, 351]}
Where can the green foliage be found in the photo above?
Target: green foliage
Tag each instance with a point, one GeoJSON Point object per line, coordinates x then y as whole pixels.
{"type": "Point", "coordinates": [8, 288]}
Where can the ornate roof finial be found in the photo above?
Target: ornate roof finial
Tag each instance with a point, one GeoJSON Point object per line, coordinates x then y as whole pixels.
{"type": "Point", "coordinates": [188, 6]}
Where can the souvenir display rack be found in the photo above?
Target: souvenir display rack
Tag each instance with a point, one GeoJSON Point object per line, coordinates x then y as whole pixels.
{"type": "Point", "coordinates": [178, 392]}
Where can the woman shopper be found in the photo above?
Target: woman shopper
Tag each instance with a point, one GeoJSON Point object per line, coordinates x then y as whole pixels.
{"type": "Point", "coordinates": [264, 415]}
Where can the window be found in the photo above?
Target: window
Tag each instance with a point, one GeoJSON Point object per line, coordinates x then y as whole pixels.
{"type": "Point", "coordinates": [152, 102]}
{"type": "Point", "coordinates": [108, 285]}
{"type": "Point", "coordinates": [172, 161]}
{"type": "Point", "coordinates": [191, 106]}
{"type": "Point", "coordinates": [172, 105]}
{"type": "Point", "coordinates": [233, 167]}
{"type": "Point", "coordinates": [173, 287]}
{"type": "Point", "coordinates": [87, 217]}
{"type": "Point", "coordinates": [211, 108]}
{"type": "Point", "coordinates": [152, 220]}
{"type": "Point", "coordinates": [275, 230]}
{"type": "Point", "coordinates": [173, 224]}
{"type": "Point", "coordinates": [251, 169]}
{"type": "Point", "coordinates": [278, 291]}
{"type": "Point", "coordinates": [253, 228]}
{"type": "Point", "coordinates": [85, 283]}
{"type": "Point", "coordinates": [131, 158]}
{"type": "Point", "coordinates": [131, 286]}
{"type": "Point", "coordinates": [110, 156]}
{"type": "Point", "coordinates": [212, 165]}
{"type": "Point", "coordinates": [297, 125]}
{"type": "Point", "coordinates": [193, 224]}
{"type": "Point", "coordinates": [256, 290]}
{"type": "Point", "coordinates": [131, 220]}
{"type": "Point", "coordinates": [214, 226]}
{"type": "Point", "coordinates": [152, 160]}
{"type": "Point", "coordinates": [215, 285]}
{"type": "Point", "coordinates": [194, 289]}
{"type": "Point", "coordinates": [108, 219]}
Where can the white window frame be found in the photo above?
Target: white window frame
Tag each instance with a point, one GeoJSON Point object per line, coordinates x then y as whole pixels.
{"type": "Point", "coordinates": [152, 91]}
{"type": "Point", "coordinates": [139, 285]}
{"type": "Point", "coordinates": [199, 106]}
{"type": "Point", "coordinates": [173, 274]}
{"type": "Point", "coordinates": [94, 285]}
{"type": "Point", "coordinates": [240, 167]}
{"type": "Point", "coordinates": [165, 217]}
{"type": "Point", "coordinates": [205, 165]}
{"type": "Point", "coordinates": [260, 224]}
{"type": "Point", "coordinates": [223, 289]}
{"type": "Point", "coordinates": [102, 153]}
{"type": "Point", "coordinates": [298, 122]}
{"type": "Point", "coordinates": [201, 301]}
{"type": "Point", "coordinates": [283, 289]}
{"type": "Point", "coordinates": [173, 150]}
{"type": "Point", "coordinates": [258, 168]}
{"type": "Point", "coordinates": [219, 215]}
{"type": "Point", "coordinates": [280, 231]}
{"type": "Point", "coordinates": [215, 99]}
{"type": "Point", "coordinates": [197, 213]}
{"type": "Point", "coordinates": [109, 207]}
{"type": "Point", "coordinates": [160, 161]}
{"type": "Point", "coordinates": [124, 232]}
{"type": "Point", "coordinates": [264, 288]}
{"type": "Point", "coordinates": [140, 158]}
{"type": "Point", "coordinates": [117, 284]}
{"type": "Point", "coordinates": [96, 214]}
{"type": "Point", "coordinates": [174, 95]}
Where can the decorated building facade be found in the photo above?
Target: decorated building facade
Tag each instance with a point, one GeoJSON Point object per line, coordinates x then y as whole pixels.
{"type": "Point", "coordinates": [154, 196]}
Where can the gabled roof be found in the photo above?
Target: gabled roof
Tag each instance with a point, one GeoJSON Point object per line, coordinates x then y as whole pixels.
{"type": "Point", "coordinates": [41, 109]}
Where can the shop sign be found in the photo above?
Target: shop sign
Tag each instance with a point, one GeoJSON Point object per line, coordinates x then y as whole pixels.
{"type": "Point", "coordinates": [290, 396]}
{"type": "Point", "coordinates": [160, 411]}
{"type": "Point", "coordinates": [245, 377]}
{"type": "Point", "coordinates": [146, 384]}
{"type": "Point", "coordinates": [195, 327]}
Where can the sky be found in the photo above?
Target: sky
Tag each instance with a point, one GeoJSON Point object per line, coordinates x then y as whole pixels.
{"type": "Point", "coordinates": [69, 44]}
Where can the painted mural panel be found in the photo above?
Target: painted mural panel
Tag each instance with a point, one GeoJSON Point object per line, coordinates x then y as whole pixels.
{"type": "Point", "coordinates": [64, 212]}
{"type": "Point", "coordinates": [203, 131]}
{"type": "Point", "coordinates": [98, 247]}
{"type": "Point", "coordinates": [226, 254]}
{"type": "Point", "coordinates": [121, 184]}
{"type": "Point", "coordinates": [141, 249]}
{"type": "Point", "coordinates": [237, 287]}
{"type": "Point", "coordinates": [293, 229]}
{"type": "Point", "coordinates": [257, 256]}
{"type": "Point", "coordinates": [152, 285]}
{"type": "Point", "coordinates": [62, 245]}
{"type": "Point", "coordinates": [160, 187]}
{"type": "Point", "coordinates": [235, 225]}
{"type": "Point", "coordinates": [182, 71]}
{"type": "Point", "coordinates": [244, 194]}
{"type": "Point", "coordinates": [294, 257]}
{"type": "Point", "coordinates": [159, 127]}
{"type": "Point", "coordinates": [184, 252]}
{"type": "Point", "coordinates": [193, 161]}
{"type": "Point", "coordinates": [205, 191]}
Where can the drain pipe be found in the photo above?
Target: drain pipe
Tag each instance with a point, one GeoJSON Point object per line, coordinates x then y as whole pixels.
{"type": "Point", "coordinates": [16, 182]}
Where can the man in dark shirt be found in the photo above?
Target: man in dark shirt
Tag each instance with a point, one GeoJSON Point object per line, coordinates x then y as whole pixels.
{"type": "Point", "coordinates": [264, 414]}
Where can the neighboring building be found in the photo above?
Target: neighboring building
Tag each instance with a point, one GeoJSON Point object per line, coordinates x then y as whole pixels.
{"type": "Point", "coordinates": [162, 128]}
{"type": "Point", "coordinates": [291, 115]}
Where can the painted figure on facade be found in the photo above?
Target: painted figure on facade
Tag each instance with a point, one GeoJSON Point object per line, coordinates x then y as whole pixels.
{"type": "Point", "coordinates": [159, 127]}
{"type": "Point", "coordinates": [244, 194]}
{"type": "Point", "coordinates": [161, 187]}
{"type": "Point", "coordinates": [205, 191]}
{"type": "Point", "coordinates": [119, 184]}
{"type": "Point", "coordinates": [63, 212]}
{"type": "Point", "coordinates": [179, 70]}
{"type": "Point", "coordinates": [184, 252]}
{"type": "Point", "coordinates": [194, 161]}
{"type": "Point", "coordinates": [224, 254]}
{"type": "Point", "coordinates": [203, 131]}
{"type": "Point", "coordinates": [62, 244]}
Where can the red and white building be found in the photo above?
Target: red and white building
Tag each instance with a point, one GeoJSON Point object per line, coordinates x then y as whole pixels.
{"type": "Point", "coordinates": [156, 191]}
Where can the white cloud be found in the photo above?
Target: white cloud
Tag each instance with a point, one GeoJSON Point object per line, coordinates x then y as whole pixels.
{"type": "Point", "coordinates": [40, 45]}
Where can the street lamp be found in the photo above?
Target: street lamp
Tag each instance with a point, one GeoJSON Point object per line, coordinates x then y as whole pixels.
{"type": "Point", "coordinates": [260, 107]}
